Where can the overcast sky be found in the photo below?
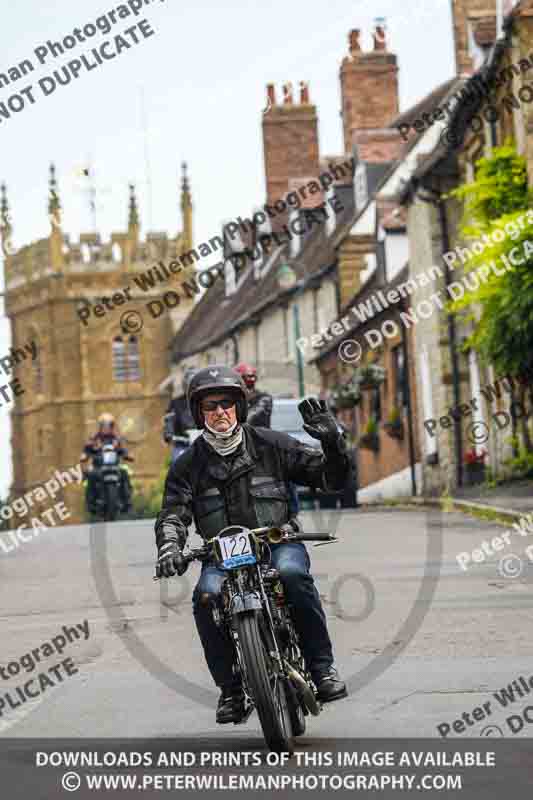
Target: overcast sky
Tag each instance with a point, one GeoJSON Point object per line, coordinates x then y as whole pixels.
{"type": "Point", "coordinates": [203, 76]}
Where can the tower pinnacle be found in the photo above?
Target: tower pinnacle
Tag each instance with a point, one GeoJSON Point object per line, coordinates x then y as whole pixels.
{"type": "Point", "coordinates": [186, 207]}
{"type": "Point", "coordinates": [54, 206]}
{"type": "Point", "coordinates": [4, 209]}
{"type": "Point", "coordinates": [133, 218]}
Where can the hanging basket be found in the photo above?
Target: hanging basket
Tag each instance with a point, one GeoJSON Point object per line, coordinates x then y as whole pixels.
{"type": "Point", "coordinates": [348, 401]}
{"type": "Point", "coordinates": [371, 376]}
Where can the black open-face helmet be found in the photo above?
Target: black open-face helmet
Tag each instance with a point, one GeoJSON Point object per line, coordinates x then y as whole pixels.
{"type": "Point", "coordinates": [213, 380]}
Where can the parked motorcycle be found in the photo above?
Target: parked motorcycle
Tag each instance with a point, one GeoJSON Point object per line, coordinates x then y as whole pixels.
{"type": "Point", "coordinates": [253, 610]}
{"type": "Point", "coordinates": [106, 473]}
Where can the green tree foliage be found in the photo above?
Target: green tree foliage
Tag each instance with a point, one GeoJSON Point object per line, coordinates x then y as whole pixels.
{"type": "Point", "coordinates": [147, 503]}
{"type": "Point", "coordinates": [500, 308]}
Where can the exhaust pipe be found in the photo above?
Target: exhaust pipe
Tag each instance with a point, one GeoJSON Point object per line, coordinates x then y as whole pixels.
{"type": "Point", "coordinates": [275, 536]}
{"type": "Point", "coordinates": [307, 693]}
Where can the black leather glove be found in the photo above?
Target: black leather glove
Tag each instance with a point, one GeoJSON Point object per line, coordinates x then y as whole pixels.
{"type": "Point", "coordinates": [320, 423]}
{"type": "Point", "coordinates": [170, 560]}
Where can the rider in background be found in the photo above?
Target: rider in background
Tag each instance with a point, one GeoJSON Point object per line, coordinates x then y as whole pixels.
{"type": "Point", "coordinates": [107, 433]}
{"type": "Point", "coordinates": [259, 403]}
{"type": "Point", "coordinates": [178, 420]}
{"type": "Point", "coordinates": [260, 415]}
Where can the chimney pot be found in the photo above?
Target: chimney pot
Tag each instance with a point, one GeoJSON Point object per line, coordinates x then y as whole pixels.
{"type": "Point", "coordinates": [271, 94]}
{"type": "Point", "coordinates": [353, 39]}
{"type": "Point", "coordinates": [380, 38]}
{"type": "Point", "coordinates": [304, 93]}
{"type": "Point", "coordinates": [287, 93]}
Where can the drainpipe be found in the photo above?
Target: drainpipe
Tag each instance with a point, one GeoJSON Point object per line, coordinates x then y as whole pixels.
{"type": "Point", "coordinates": [410, 431]}
{"type": "Point", "coordinates": [452, 336]}
{"type": "Point", "coordinates": [438, 203]}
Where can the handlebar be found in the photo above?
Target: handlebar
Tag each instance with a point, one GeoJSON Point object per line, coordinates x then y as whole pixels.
{"type": "Point", "coordinates": [273, 535]}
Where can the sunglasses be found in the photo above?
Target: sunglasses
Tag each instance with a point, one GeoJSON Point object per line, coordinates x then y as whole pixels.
{"type": "Point", "coordinates": [212, 405]}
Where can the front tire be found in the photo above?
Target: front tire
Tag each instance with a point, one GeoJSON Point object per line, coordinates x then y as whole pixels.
{"type": "Point", "coordinates": [271, 702]}
{"type": "Point", "coordinates": [296, 712]}
{"type": "Point", "coordinates": [111, 502]}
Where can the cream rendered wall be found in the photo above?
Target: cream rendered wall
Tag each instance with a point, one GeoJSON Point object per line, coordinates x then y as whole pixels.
{"type": "Point", "coordinates": [278, 372]}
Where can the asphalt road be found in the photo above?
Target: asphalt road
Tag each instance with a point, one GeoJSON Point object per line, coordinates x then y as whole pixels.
{"type": "Point", "coordinates": [420, 640]}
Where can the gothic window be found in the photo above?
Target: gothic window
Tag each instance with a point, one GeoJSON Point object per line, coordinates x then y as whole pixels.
{"type": "Point", "coordinates": [126, 360]}
{"type": "Point", "coordinates": [36, 364]}
{"type": "Point", "coordinates": [38, 384]}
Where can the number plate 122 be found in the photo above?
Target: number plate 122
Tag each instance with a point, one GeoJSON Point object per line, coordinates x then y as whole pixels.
{"type": "Point", "coordinates": [236, 550]}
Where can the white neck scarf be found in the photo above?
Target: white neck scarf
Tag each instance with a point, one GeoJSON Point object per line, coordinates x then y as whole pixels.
{"type": "Point", "coordinates": [223, 443]}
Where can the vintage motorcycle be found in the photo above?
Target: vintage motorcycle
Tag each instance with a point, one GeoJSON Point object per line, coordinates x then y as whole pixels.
{"type": "Point", "coordinates": [252, 609]}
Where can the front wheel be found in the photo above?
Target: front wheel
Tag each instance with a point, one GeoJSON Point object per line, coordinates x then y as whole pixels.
{"type": "Point", "coordinates": [268, 690]}
{"type": "Point", "coordinates": [111, 501]}
{"type": "Point", "coordinates": [296, 711]}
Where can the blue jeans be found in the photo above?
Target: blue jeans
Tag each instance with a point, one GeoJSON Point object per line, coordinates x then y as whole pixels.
{"type": "Point", "coordinates": [292, 561]}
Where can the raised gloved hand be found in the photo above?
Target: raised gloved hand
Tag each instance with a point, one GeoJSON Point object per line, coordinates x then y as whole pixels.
{"type": "Point", "coordinates": [320, 423]}
{"type": "Point", "coordinates": [170, 560]}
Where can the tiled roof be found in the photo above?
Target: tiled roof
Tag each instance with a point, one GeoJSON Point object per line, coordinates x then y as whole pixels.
{"type": "Point", "coordinates": [431, 102]}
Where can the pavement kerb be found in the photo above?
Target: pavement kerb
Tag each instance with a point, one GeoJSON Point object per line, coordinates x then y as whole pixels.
{"type": "Point", "coordinates": [449, 503]}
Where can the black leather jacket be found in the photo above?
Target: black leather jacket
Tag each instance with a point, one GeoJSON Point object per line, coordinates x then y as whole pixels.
{"type": "Point", "coordinates": [247, 488]}
{"type": "Point", "coordinates": [259, 409]}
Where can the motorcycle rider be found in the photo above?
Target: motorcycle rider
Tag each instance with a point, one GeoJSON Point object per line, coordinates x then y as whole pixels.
{"type": "Point", "coordinates": [107, 434]}
{"type": "Point", "coordinates": [235, 474]}
{"type": "Point", "coordinates": [178, 419]}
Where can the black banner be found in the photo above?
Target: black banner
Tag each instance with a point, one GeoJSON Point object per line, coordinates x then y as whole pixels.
{"type": "Point", "coordinates": [474, 769]}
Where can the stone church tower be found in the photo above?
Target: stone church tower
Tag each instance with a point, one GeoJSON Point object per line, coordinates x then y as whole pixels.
{"type": "Point", "coordinates": [113, 361]}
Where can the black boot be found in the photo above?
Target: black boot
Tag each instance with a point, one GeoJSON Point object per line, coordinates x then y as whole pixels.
{"type": "Point", "coordinates": [329, 686]}
{"type": "Point", "coordinates": [230, 705]}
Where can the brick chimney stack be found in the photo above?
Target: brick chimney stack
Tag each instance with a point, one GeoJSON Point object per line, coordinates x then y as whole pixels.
{"type": "Point", "coordinates": [369, 92]}
{"type": "Point", "coordinates": [290, 139]}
